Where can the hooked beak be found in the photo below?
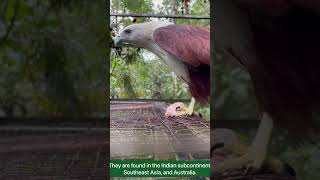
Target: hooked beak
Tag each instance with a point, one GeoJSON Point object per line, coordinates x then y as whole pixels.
{"type": "Point", "coordinates": [119, 42]}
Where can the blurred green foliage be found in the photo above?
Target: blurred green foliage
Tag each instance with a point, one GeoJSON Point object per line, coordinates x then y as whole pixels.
{"type": "Point", "coordinates": [233, 91]}
{"type": "Point", "coordinates": [52, 57]}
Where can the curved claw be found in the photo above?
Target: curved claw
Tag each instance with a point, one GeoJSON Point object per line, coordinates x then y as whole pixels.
{"type": "Point", "coordinates": [246, 162]}
{"type": "Point", "coordinates": [255, 156]}
{"type": "Point", "coordinates": [187, 113]}
{"type": "Point", "coordinates": [180, 110]}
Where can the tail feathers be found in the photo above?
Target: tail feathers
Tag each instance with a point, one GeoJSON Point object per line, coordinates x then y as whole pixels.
{"type": "Point", "coordinates": [199, 85]}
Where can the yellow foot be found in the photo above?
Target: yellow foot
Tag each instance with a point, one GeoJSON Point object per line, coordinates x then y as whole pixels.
{"type": "Point", "coordinates": [185, 112]}
{"type": "Point", "coordinates": [188, 111]}
{"type": "Point", "coordinates": [179, 109]}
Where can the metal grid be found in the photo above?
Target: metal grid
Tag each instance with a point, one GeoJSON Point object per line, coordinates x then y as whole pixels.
{"type": "Point", "coordinates": [139, 130]}
{"type": "Point", "coordinates": [67, 155]}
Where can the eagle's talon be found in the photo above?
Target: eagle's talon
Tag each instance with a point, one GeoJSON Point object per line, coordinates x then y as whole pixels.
{"type": "Point", "coordinates": [245, 162]}
{"type": "Point", "coordinates": [186, 113]}
{"type": "Point", "coordinates": [250, 160]}
{"type": "Point", "coordinates": [180, 110]}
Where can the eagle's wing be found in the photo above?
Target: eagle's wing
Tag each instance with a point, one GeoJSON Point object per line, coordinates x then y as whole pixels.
{"type": "Point", "coordinates": [190, 44]}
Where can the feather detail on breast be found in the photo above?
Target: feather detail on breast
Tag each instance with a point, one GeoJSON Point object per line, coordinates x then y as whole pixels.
{"type": "Point", "coordinates": [190, 45]}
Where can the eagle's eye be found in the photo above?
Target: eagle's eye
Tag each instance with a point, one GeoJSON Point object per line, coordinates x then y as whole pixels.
{"type": "Point", "coordinates": [127, 31]}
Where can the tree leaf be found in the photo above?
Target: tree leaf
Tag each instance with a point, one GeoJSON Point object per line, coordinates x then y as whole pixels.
{"type": "Point", "coordinates": [11, 7]}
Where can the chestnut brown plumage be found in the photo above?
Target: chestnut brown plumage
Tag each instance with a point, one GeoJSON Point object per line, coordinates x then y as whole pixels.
{"type": "Point", "coordinates": [190, 44]}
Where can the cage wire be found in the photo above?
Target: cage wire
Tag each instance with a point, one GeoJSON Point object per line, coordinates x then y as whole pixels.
{"type": "Point", "coordinates": [68, 155]}
{"type": "Point", "coordinates": [115, 16]}
{"type": "Point", "coordinates": [139, 130]}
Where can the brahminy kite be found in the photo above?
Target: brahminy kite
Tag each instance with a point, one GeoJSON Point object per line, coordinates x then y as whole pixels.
{"type": "Point", "coordinates": [278, 43]}
{"type": "Point", "coordinates": [185, 48]}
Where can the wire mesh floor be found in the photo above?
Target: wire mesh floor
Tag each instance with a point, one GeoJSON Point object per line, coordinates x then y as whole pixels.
{"type": "Point", "coordinates": [139, 130]}
{"type": "Point", "coordinates": [48, 155]}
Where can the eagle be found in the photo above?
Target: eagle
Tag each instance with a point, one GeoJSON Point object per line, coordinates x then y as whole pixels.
{"type": "Point", "coordinates": [184, 48]}
{"type": "Point", "coordinates": [277, 42]}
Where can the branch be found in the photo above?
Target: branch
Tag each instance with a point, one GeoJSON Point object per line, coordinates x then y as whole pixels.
{"type": "Point", "coordinates": [160, 16]}
{"type": "Point", "coordinates": [112, 70]}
